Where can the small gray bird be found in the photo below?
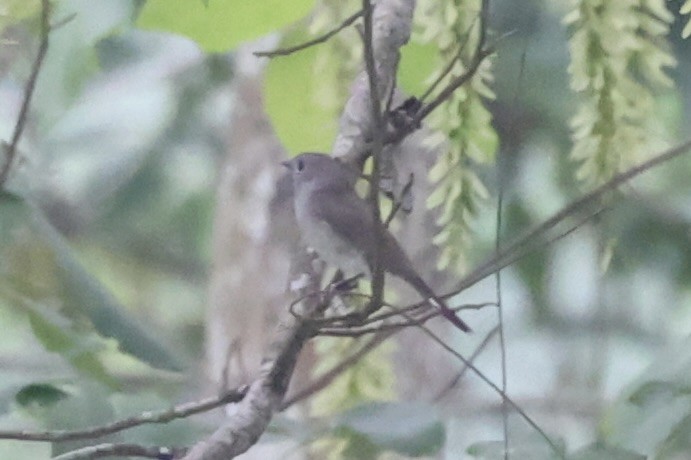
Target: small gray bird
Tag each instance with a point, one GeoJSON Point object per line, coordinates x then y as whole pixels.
{"type": "Point", "coordinates": [340, 226]}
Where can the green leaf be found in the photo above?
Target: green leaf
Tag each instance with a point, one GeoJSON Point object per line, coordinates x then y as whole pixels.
{"type": "Point", "coordinates": [657, 390]}
{"type": "Point", "coordinates": [13, 11]}
{"type": "Point", "coordinates": [599, 451]}
{"type": "Point", "coordinates": [653, 415]}
{"type": "Point", "coordinates": [302, 101]}
{"type": "Point", "coordinates": [686, 9]}
{"type": "Point", "coordinates": [89, 405]}
{"type": "Point", "coordinates": [534, 449]}
{"type": "Point", "coordinates": [38, 266]}
{"type": "Point", "coordinates": [221, 25]}
{"type": "Point", "coordinates": [411, 429]}
{"type": "Point", "coordinates": [678, 443]}
{"type": "Point", "coordinates": [41, 394]}
{"type": "Point", "coordinates": [357, 445]}
{"type": "Point", "coordinates": [418, 61]}
{"type": "Point", "coordinates": [58, 335]}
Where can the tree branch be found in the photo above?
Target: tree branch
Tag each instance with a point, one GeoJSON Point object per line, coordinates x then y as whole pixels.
{"type": "Point", "coordinates": [11, 149]}
{"type": "Point", "coordinates": [165, 416]}
{"type": "Point", "coordinates": [391, 29]}
{"type": "Point", "coordinates": [316, 41]}
{"type": "Point", "coordinates": [536, 237]}
{"type": "Point", "coordinates": [329, 376]}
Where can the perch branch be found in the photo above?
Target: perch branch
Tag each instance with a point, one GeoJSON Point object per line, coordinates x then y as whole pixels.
{"type": "Point", "coordinates": [315, 41]}
{"type": "Point", "coordinates": [165, 416]}
{"type": "Point", "coordinates": [11, 149]}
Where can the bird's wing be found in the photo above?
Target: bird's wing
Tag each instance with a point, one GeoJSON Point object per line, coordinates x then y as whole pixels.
{"type": "Point", "coordinates": [348, 215]}
{"type": "Point", "coordinates": [351, 218]}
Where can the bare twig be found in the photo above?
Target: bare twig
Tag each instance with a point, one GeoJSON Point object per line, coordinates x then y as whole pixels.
{"type": "Point", "coordinates": [316, 41]}
{"type": "Point", "coordinates": [343, 325]}
{"type": "Point", "coordinates": [453, 85]}
{"type": "Point", "coordinates": [467, 282]}
{"type": "Point", "coordinates": [63, 22]}
{"type": "Point", "coordinates": [327, 377]}
{"type": "Point", "coordinates": [536, 236]}
{"type": "Point", "coordinates": [445, 72]}
{"type": "Point", "coordinates": [557, 450]}
{"type": "Point", "coordinates": [454, 381]}
{"type": "Point", "coordinates": [164, 416]}
{"type": "Point", "coordinates": [399, 202]}
{"type": "Point", "coordinates": [377, 147]}
{"type": "Point", "coordinates": [500, 311]}
{"type": "Point", "coordinates": [11, 149]}
{"type": "Point", "coordinates": [415, 121]}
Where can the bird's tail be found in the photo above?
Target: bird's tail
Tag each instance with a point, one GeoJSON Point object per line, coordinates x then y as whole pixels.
{"type": "Point", "coordinates": [429, 295]}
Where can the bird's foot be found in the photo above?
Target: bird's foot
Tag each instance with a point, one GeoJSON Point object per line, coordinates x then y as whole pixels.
{"type": "Point", "coordinates": [345, 285]}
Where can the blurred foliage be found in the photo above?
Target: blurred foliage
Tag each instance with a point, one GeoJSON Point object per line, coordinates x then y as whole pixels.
{"type": "Point", "coordinates": [618, 55]}
{"type": "Point", "coordinates": [369, 379]}
{"type": "Point", "coordinates": [309, 88]}
{"type": "Point", "coordinates": [686, 9]}
{"type": "Point", "coordinates": [410, 429]}
{"type": "Point", "coordinates": [312, 99]}
{"type": "Point", "coordinates": [14, 11]}
{"type": "Point", "coordinates": [221, 26]}
{"type": "Point", "coordinates": [654, 415]}
{"type": "Point", "coordinates": [461, 125]}
{"type": "Point", "coordinates": [39, 269]}
{"type": "Point", "coordinates": [104, 228]}
{"type": "Point", "coordinates": [372, 430]}
{"type": "Point", "coordinates": [104, 237]}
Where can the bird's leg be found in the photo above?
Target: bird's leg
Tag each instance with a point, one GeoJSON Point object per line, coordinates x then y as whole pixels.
{"type": "Point", "coordinates": [402, 202]}
{"type": "Point", "coordinates": [345, 285]}
{"type": "Point", "coordinates": [342, 285]}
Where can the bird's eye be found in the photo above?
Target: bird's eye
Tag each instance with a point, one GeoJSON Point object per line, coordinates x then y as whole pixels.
{"type": "Point", "coordinates": [300, 165]}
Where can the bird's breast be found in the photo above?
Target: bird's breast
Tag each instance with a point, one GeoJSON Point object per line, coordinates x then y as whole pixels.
{"type": "Point", "coordinates": [329, 245]}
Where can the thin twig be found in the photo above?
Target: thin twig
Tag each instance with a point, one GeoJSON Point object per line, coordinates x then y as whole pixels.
{"type": "Point", "coordinates": [355, 332]}
{"type": "Point", "coordinates": [11, 149]}
{"type": "Point", "coordinates": [316, 41]}
{"type": "Point", "coordinates": [535, 237]}
{"type": "Point", "coordinates": [413, 310]}
{"type": "Point", "coordinates": [452, 86]}
{"type": "Point", "coordinates": [450, 65]}
{"type": "Point", "coordinates": [164, 416]}
{"type": "Point", "coordinates": [494, 387]}
{"type": "Point", "coordinates": [415, 121]}
{"type": "Point", "coordinates": [500, 304]}
{"type": "Point", "coordinates": [454, 381]}
{"type": "Point", "coordinates": [327, 377]}
{"type": "Point", "coordinates": [377, 148]}
{"type": "Point", "coordinates": [63, 22]}
{"type": "Point", "coordinates": [399, 202]}
{"type": "Point", "coordinates": [488, 269]}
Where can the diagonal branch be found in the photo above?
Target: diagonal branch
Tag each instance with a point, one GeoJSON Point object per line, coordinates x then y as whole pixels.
{"type": "Point", "coordinates": [165, 416]}
{"type": "Point", "coordinates": [315, 41]}
{"type": "Point", "coordinates": [11, 149]}
{"type": "Point", "coordinates": [536, 236]}
{"type": "Point", "coordinates": [327, 377]}
{"type": "Point", "coordinates": [377, 146]}
{"type": "Point", "coordinates": [468, 363]}
{"type": "Point", "coordinates": [391, 29]}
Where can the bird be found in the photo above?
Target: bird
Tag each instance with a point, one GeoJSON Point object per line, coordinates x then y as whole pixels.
{"type": "Point", "coordinates": [341, 227]}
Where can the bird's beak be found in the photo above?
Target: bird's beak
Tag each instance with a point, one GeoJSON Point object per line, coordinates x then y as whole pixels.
{"type": "Point", "coordinates": [287, 164]}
